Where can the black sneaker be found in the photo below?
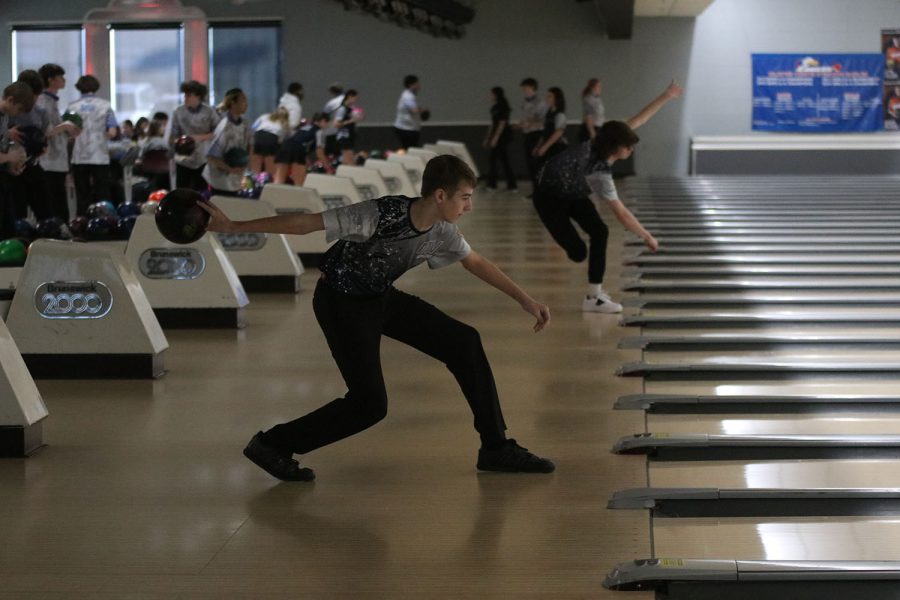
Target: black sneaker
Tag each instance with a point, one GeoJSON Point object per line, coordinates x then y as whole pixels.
{"type": "Point", "coordinates": [513, 458]}
{"type": "Point", "coordinates": [269, 460]}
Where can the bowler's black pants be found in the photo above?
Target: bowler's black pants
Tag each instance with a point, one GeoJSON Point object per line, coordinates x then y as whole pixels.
{"type": "Point", "coordinates": [500, 156]}
{"type": "Point", "coordinates": [353, 326]}
{"type": "Point", "coordinates": [407, 138]}
{"type": "Point", "coordinates": [192, 179]}
{"type": "Point", "coordinates": [557, 214]}
{"type": "Point", "coordinates": [57, 194]}
{"type": "Point", "coordinates": [91, 185]}
{"type": "Point", "coordinates": [531, 140]}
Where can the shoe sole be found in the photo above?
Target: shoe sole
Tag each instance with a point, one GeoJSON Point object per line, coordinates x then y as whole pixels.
{"type": "Point", "coordinates": [603, 312]}
{"type": "Point", "coordinates": [500, 470]}
{"type": "Point", "coordinates": [276, 475]}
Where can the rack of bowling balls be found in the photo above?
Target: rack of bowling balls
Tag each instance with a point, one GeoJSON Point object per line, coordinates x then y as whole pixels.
{"type": "Point", "coordinates": [103, 221]}
{"type": "Point", "coordinates": [179, 216]}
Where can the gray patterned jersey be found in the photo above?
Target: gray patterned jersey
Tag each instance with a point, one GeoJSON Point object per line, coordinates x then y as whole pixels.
{"type": "Point", "coordinates": [574, 173]}
{"type": "Point", "coordinates": [377, 243]}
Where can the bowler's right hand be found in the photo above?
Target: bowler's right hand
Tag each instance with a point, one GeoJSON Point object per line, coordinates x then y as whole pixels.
{"type": "Point", "coordinates": [218, 222]}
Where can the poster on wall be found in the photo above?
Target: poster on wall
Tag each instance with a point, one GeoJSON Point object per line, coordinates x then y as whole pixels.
{"type": "Point", "coordinates": [890, 48]}
{"type": "Point", "coordinates": [818, 93]}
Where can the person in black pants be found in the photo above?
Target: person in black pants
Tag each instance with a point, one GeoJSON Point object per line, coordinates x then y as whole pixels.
{"type": "Point", "coordinates": [553, 137]}
{"type": "Point", "coordinates": [497, 140]}
{"type": "Point", "coordinates": [355, 303]}
{"type": "Point", "coordinates": [197, 120]}
{"type": "Point", "coordinates": [29, 190]}
{"type": "Point", "coordinates": [574, 180]}
{"type": "Point", "coordinates": [16, 99]}
{"type": "Point", "coordinates": [408, 124]}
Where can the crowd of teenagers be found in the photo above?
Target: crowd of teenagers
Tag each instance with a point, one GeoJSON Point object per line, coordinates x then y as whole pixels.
{"type": "Point", "coordinates": [215, 148]}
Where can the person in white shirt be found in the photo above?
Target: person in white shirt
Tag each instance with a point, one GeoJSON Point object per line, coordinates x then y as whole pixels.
{"type": "Point", "coordinates": [408, 124]}
{"type": "Point", "coordinates": [232, 135]}
{"type": "Point", "coordinates": [593, 111]}
{"type": "Point", "coordinates": [55, 161]}
{"type": "Point", "coordinates": [345, 118]}
{"type": "Point", "coordinates": [269, 130]}
{"type": "Point", "coordinates": [197, 120]}
{"type": "Point", "coordinates": [290, 101]}
{"type": "Point", "coordinates": [330, 109]}
{"type": "Point", "coordinates": [90, 155]}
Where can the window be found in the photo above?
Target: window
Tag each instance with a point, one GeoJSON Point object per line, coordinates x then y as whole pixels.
{"type": "Point", "coordinates": [145, 68]}
{"type": "Point", "coordinates": [246, 56]}
{"type": "Point", "coordinates": [32, 48]}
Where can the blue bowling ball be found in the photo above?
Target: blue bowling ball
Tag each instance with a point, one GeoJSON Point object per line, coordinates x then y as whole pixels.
{"type": "Point", "coordinates": [128, 209]}
{"type": "Point", "coordinates": [24, 229]}
{"type": "Point", "coordinates": [125, 225]}
{"type": "Point", "coordinates": [98, 228]}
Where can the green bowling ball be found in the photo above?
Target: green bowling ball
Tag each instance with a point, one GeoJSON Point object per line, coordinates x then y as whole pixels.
{"type": "Point", "coordinates": [236, 157]}
{"type": "Point", "coordinates": [12, 252]}
{"type": "Point", "coordinates": [73, 118]}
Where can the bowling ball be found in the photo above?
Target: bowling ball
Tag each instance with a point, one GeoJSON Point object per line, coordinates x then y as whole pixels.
{"type": "Point", "coordinates": [127, 209]}
{"type": "Point", "coordinates": [157, 195]}
{"type": "Point", "coordinates": [12, 252]}
{"type": "Point", "coordinates": [73, 118]}
{"type": "Point", "coordinates": [149, 207]}
{"type": "Point", "coordinates": [185, 145]}
{"type": "Point", "coordinates": [98, 228]}
{"type": "Point", "coordinates": [50, 228]}
{"type": "Point", "coordinates": [34, 141]}
{"type": "Point", "coordinates": [263, 179]}
{"type": "Point", "coordinates": [179, 218]}
{"type": "Point", "coordinates": [360, 159]}
{"type": "Point", "coordinates": [358, 113]}
{"type": "Point", "coordinates": [125, 225]}
{"type": "Point", "coordinates": [425, 114]}
{"type": "Point", "coordinates": [24, 229]}
{"type": "Point", "coordinates": [236, 157]}
{"type": "Point", "coordinates": [104, 209]}
{"type": "Point", "coordinates": [78, 226]}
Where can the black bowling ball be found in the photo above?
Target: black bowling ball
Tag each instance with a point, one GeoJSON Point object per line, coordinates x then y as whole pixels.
{"type": "Point", "coordinates": [179, 217]}
{"type": "Point", "coordinates": [98, 228]}
{"type": "Point", "coordinates": [50, 228]}
{"type": "Point", "coordinates": [34, 141]}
